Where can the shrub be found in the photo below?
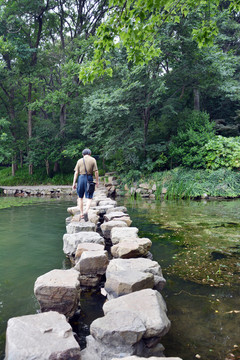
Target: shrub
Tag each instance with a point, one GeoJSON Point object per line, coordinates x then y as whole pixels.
{"type": "Point", "coordinates": [194, 131]}
{"type": "Point", "coordinates": [222, 152]}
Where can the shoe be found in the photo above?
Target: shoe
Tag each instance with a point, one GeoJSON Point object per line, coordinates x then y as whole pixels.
{"type": "Point", "coordinates": [85, 217]}
{"type": "Point", "coordinates": [81, 217]}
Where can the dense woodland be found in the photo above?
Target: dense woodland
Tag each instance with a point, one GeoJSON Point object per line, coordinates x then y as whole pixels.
{"type": "Point", "coordinates": [164, 95]}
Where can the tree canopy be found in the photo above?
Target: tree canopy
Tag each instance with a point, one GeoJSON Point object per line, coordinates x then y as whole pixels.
{"type": "Point", "coordinates": [172, 63]}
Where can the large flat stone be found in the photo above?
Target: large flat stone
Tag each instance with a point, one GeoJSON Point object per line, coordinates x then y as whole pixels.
{"type": "Point", "coordinates": [122, 282]}
{"type": "Point", "coordinates": [150, 358]}
{"type": "Point", "coordinates": [101, 210]}
{"type": "Point", "coordinates": [123, 234]}
{"type": "Point", "coordinates": [71, 241]}
{"type": "Point", "coordinates": [106, 227]}
{"type": "Point", "coordinates": [97, 350]}
{"type": "Point", "coordinates": [139, 264]}
{"type": "Point", "coordinates": [114, 215]}
{"type": "Point", "coordinates": [126, 219]}
{"type": "Point", "coordinates": [150, 307]}
{"type": "Point", "coordinates": [75, 227]}
{"type": "Point", "coordinates": [58, 290]}
{"type": "Point", "coordinates": [117, 208]}
{"type": "Point", "coordinates": [107, 202]}
{"type": "Point", "coordinates": [131, 248]}
{"type": "Point", "coordinates": [92, 263]}
{"type": "Point", "coordinates": [118, 328]}
{"type": "Point", "coordinates": [87, 247]}
{"type": "Point", "coordinates": [92, 216]}
{"type": "Point", "coordinates": [44, 336]}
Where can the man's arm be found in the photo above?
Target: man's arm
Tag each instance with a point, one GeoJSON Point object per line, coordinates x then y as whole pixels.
{"type": "Point", "coordinates": [97, 178]}
{"type": "Point", "coordinates": [74, 180]}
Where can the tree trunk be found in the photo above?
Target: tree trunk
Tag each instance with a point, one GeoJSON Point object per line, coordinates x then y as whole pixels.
{"type": "Point", "coordinates": [146, 118]}
{"type": "Point", "coordinates": [47, 167]}
{"type": "Point", "coordinates": [196, 96]}
{"type": "Point", "coordinates": [30, 167]}
{"type": "Point", "coordinates": [63, 116]}
{"type": "Point", "coordinates": [21, 158]}
{"type": "Point", "coordinates": [56, 167]}
{"type": "Point", "coordinates": [14, 165]}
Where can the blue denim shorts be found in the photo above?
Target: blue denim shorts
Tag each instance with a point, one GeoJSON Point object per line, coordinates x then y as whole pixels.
{"type": "Point", "coordinates": [82, 186]}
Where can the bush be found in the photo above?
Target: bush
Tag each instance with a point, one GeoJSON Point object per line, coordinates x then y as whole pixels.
{"type": "Point", "coordinates": [194, 131]}
{"type": "Point", "coordinates": [222, 152]}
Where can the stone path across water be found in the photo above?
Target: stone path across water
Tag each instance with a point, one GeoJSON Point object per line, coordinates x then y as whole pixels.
{"type": "Point", "coordinates": [135, 313]}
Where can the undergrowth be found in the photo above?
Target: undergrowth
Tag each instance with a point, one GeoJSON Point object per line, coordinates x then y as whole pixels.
{"type": "Point", "coordinates": [39, 177]}
{"type": "Point", "coordinates": [181, 183]}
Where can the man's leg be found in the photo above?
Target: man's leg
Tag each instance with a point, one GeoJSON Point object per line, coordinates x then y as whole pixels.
{"type": "Point", "coordinates": [80, 201]}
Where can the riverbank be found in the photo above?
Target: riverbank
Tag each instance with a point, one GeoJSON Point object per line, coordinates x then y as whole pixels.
{"type": "Point", "coordinates": [181, 183]}
{"type": "Point", "coordinates": [37, 190]}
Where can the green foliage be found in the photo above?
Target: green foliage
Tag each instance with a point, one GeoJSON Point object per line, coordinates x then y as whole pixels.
{"type": "Point", "coordinates": [136, 25]}
{"type": "Point", "coordinates": [194, 131]}
{"type": "Point", "coordinates": [222, 152]}
{"type": "Point", "coordinates": [6, 141]}
{"type": "Point", "coordinates": [39, 176]}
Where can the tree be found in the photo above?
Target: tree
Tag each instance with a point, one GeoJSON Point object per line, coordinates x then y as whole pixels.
{"type": "Point", "coordinates": [136, 25]}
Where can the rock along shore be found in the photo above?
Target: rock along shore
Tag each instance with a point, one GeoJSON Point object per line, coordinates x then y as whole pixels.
{"type": "Point", "coordinates": [107, 255]}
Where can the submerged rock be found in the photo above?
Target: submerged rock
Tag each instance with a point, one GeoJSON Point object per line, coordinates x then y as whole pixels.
{"type": "Point", "coordinates": [58, 290]}
{"type": "Point", "coordinates": [44, 336]}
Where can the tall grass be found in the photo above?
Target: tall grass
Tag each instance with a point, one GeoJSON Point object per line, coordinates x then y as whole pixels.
{"type": "Point", "coordinates": [184, 183]}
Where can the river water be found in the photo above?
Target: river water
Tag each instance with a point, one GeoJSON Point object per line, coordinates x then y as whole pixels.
{"type": "Point", "coordinates": [196, 243]}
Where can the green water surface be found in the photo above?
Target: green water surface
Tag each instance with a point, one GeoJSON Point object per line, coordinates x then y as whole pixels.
{"type": "Point", "coordinates": [30, 245]}
{"type": "Point", "coordinates": [196, 243]}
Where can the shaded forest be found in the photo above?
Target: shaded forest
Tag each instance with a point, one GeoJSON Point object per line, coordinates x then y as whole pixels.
{"type": "Point", "coordinates": [180, 107]}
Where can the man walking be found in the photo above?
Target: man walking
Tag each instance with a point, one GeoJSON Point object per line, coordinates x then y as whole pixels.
{"type": "Point", "coordinates": [84, 170]}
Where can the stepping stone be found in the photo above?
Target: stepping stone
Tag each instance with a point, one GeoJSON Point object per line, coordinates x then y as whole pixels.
{"type": "Point", "coordinates": [75, 227]}
{"type": "Point", "coordinates": [71, 241]}
{"type": "Point", "coordinates": [126, 219]}
{"type": "Point", "coordinates": [149, 305]}
{"type": "Point", "coordinates": [92, 262]}
{"type": "Point", "coordinates": [92, 216]}
{"type": "Point", "coordinates": [58, 290]}
{"type": "Point", "coordinates": [151, 358]}
{"type": "Point", "coordinates": [44, 336]}
{"type": "Point", "coordinates": [122, 282]}
{"type": "Point", "coordinates": [87, 247]}
{"type": "Point", "coordinates": [101, 210]}
{"type": "Point", "coordinates": [131, 248]}
{"type": "Point", "coordinates": [107, 202]}
{"type": "Point", "coordinates": [117, 208]}
{"type": "Point", "coordinates": [114, 214]}
{"type": "Point", "coordinates": [114, 335]}
{"type": "Point", "coordinates": [106, 227]}
{"type": "Point", "coordinates": [123, 233]}
{"type": "Point", "coordinates": [118, 328]}
{"type": "Point", "coordinates": [139, 264]}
